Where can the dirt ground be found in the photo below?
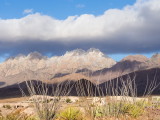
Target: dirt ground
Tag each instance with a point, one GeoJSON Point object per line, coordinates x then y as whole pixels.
{"type": "Point", "coordinates": [13, 100]}
{"type": "Point", "coordinates": [11, 104]}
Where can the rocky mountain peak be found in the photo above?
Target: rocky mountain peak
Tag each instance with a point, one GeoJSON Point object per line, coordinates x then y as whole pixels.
{"type": "Point", "coordinates": [156, 56]}
{"type": "Point", "coordinates": [138, 58]}
{"type": "Point", "coordinates": [80, 52]}
{"type": "Point", "coordinates": [36, 63]}
{"type": "Point", "coordinates": [94, 50]}
{"type": "Point", "coordinates": [36, 55]}
{"type": "Point", "coordinates": [30, 56]}
{"type": "Point", "coordinates": [16, 57]}
{"type": "Point", "coordinates": [75, 52]}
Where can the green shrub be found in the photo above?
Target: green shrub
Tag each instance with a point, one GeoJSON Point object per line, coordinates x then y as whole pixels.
{"type": "Point", "coordinates": [68, 100]}
{"type": "Point", "coordinates": [133, 110]}
{"type": "Point", "coordinates": [17, 115]}
{"type": "Point", "coordinates": [71, 114]}
{"type": "Point", "coordinates": [110, 109]}
{"type": "Point", "coordinates": [46, 114]}
{"type": "Point", "coordinates": [7, 106]}
{"type": "Point", "coordinates": [99, 112]}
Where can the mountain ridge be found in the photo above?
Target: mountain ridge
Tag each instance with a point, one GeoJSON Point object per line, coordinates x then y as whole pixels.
{"type": "Point", "coordinates": [142, 78]}
{"type": "Point", "coordinates": [127, 65]}
{"type": "Point", "coordinates": [77, 64]}
{"type": "Point", "coordinates": [37, 66]}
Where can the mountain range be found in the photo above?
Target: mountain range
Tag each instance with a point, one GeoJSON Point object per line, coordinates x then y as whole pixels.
{"type": "Point", "coordinates": [146, 81]}
{"type": "Point", "coordinates": [34, 66]}
{"type": "Point", "coordinates": [127, 65]}
{"type": "Point", "coordinates": [92, 65]}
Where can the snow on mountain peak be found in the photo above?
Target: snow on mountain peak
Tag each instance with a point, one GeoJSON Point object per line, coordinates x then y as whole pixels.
{"type": "Point", "coordinates": [93, 59]}
{"type": "Point", "coordinates": [94, 50]}
{"type": "Point", "coordinates": [80, 52]}
{"type": "Point", "coordinates": [16, 57]}
{"type": "Point", "coordinates": [30, 56]}
{"type": "Point", "coordinates": [76, 52]}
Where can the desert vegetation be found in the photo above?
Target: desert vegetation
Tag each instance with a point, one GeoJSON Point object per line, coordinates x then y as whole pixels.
{"type": "Point", "coordinates": [114, 101]}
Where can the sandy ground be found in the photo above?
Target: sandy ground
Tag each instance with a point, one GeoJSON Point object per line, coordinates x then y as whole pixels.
{"type": "Point", "coordinates": [28, 107]}
{"type": "Point", "coordinates": [16, 103]}
{"type": "Point", "coordinates": [14, 100]}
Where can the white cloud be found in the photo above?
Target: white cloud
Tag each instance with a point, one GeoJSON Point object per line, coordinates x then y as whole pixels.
{"type": "Point", "coordinates": [28, 11]}
{"type": "Point", "coordinates": [133, 25]}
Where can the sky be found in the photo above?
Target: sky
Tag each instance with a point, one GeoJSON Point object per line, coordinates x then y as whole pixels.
{"type": "Point", "coordinates": [116, 27]}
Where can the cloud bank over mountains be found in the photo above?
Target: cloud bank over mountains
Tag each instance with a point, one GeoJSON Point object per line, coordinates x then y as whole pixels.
{"type": "Point", "coordinates": [133, 29]}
